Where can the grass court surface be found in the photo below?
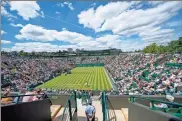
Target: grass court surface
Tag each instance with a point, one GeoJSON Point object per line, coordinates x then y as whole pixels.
{"type": "Point", "coordinates": [96, 78]}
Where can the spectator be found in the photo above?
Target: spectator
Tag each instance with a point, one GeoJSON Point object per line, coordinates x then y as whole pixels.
{"type": "Point", "coordinates": [28, 98]}
{"type": "Point", "coordinates": [133, 73]}
{"type": "Point", "coordinates": [6, 100]}
{"type": "Point", "coordinates": [163, 105]}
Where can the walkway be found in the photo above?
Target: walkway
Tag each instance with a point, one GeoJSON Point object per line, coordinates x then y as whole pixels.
{"type": "Point", "coordinates": [81, 110]}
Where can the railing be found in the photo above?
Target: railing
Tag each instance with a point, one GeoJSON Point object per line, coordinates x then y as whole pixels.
{"type": "Point", "coordinates": [177, 65]}
{"type": "Point", "coordinates": [107, 109]}
{"type": "Point", "coordinates": [104, 107]}
{"type": "Point", "coordinates": [153, 107]}
{"type": "Point", "coordinates": [19, 100]}
{"type": "Point", "coordinates": [70, 108]}
{"type": "Point", "coordinates": [152, 101]}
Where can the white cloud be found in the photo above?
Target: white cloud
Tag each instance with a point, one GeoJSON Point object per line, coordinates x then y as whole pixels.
{"type": "Point", "coordinates": [38, 33]}
{"type": "Point", "coordinates": [6, 49]}
{"type": "Point", "coordinates": [131, 45]}
{"type": "Point", "coordinates": [68, 4]}
{"type": "Point", "coordinates": [122, 18]}
{"type": "Point", "coordinates": [39, 47]}
{"type": "Point", "coordinates": [95, 18]}
{"type": "Point", "coordinates": [58, 13]}
{"type": "Point", "coordinates": [5, 13]}
{"type": "Point", "coordinates": [3, 32]}
{"type": "Point", "coordinates": [93, 5]}
{"type": "Point", "coordinates": [77, 40]}
{"type": "Point", "coordinates": [26, 9]}
{"type": "Point", "coordinates": [4, 3]}
{"type": "Point", "coordinates": [42, 14]}
{"type": "Point", "coordinates": [5, 42]}
{"type": "Point", "coordinates": [16, 25]}
{"type": "Point", "coordinates": [152, 16]}
{"type": "Point", "coordinates": [174, 23]}
{"type": "Point", "coordinates": [154, 3]}
{"type": "Point", "coordinates": [64, 29]}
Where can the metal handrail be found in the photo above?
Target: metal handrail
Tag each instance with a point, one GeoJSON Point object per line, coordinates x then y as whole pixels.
{"type": "Point", "coordinates": [104, 107]}
{"type": "Point", "coordinates": [20, 95]}
{"type": "Point", "coordinates": [68, 104]}
{"type": "Point", "coordinates": [132, 99]}
{"type": "Point", "coordinates": [111, 107]}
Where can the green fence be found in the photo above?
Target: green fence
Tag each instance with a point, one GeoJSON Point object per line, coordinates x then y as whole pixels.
{"type": "Point", "coordinates": [107, 109]}
{"type": "Point", "coordinates": [104, 107]}
{"type": "Point", "coordinates": [69, 113]}
{"type": "Point", "coordinates": [90, 65]}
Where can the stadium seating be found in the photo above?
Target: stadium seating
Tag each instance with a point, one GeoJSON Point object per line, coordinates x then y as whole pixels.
{"type": "Point", "coordinates": [172, 110]}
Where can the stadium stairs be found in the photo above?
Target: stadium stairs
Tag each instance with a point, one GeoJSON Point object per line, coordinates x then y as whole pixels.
{"type": "Point", "coordinates": [108, 108]}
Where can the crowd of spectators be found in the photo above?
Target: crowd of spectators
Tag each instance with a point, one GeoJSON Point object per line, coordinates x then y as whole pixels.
{"type": "Point", "coordinates": [133, 73]}
{"type": "Point", "coordinates": [24, 73]}
{"type": "Point", "coordinates": [146, 74]}
{"type": "Point", "coordinates": [24, 96]}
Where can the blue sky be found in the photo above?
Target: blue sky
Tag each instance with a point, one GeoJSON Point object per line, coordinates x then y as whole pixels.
{"type": "Point", "coordinates": [53, 26]}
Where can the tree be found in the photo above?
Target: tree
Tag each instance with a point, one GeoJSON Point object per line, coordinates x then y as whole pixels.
{"type": "Point", "coordinates": [173, 46]}
{"type": "Point", "coordinates": [21, 53]}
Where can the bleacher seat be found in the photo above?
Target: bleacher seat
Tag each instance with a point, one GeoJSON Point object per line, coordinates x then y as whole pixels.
{"type": "Point", "coordinates": [178, 115]}
{"type": "Point", "coordinates": [161, 109]}
{"type": "Point", "coordinates": [172, 110]}
{"type": "Point", "coordinates": [180, 110]}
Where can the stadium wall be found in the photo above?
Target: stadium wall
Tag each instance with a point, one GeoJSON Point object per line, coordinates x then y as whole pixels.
{"type": "Point", "coordinates": [112, 82]}
{"type": "Point", "coordinates": [34, 111]}
{"type": "Point", "coordinates": [58, 99]}
{"type": "Point", "coordinates": [90, 65]}
{"type": "Point", "coordinates": [137, 111]}
{"type": "Point", "coordinates": [119, 102]}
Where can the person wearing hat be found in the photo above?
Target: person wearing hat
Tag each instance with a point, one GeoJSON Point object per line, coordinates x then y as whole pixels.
{"type": "Point", "coordinates": [170, 98]}
{"type": "Point", "coordinates": [90, 111]}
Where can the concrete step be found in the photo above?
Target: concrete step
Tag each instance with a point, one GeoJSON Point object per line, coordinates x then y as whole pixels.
{"type": "Point", "coordinates": [125, 113]}
{"type": "Point", "coordinates": [119, 116]}
{"type": "Point", "coordinates": [54, 108]}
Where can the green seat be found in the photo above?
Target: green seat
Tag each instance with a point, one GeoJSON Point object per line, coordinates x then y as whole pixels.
{"type": "Point", "coordinates": [180, 110]}
{"type": "Point", "coordinates": [161, 109]}
{"type": "Point", "coordinates": [177, 115]}
{"type": "Point", "coordinates": [172, 110]}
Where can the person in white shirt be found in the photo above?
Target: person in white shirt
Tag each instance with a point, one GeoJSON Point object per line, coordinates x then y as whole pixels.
{"type": "Point", "coordinates": [169, 98]}
{"type": "Point", "coordinates": [28, 98]}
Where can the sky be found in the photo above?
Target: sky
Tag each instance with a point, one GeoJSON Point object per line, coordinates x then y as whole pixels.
{"type": "Point", "coordinates": [52, 26]}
